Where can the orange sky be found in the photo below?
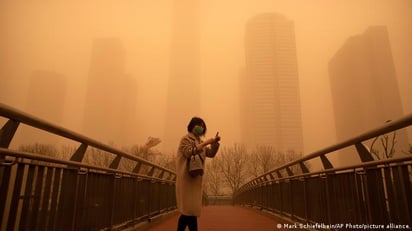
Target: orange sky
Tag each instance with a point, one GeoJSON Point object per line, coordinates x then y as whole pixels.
{"type": "Point", "coordinates": [58, 35]}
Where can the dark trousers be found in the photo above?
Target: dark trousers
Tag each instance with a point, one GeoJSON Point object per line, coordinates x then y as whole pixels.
{"type": "Point", "coordinates": [184, 221]}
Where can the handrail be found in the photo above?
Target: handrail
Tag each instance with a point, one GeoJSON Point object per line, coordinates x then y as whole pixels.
{"type": "Point", "coordinates": [377, 192]}
{"type": "Point", "coordinates": [388, 127]}
{"type": "Point", "coordinates": [50, 193]}
{"type": "Point", "coordinates": [19, 154]}
{"type": "Point", "coordinates": [16, 115]}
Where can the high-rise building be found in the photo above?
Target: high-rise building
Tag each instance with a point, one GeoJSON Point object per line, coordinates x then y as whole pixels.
{"type": "Point", "coordinates": [110, 97]}
{"type": "Point", "coordinates": [183, 100]}
{"type": "Point", "coordinates": [46, 100]}
{"type": "Point", "coordinates": [270, 86]}
{"type": "Point", "coordinates": [364, 86]}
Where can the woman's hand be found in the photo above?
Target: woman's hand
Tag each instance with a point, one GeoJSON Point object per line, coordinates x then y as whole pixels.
{"type": "Point", "coordinates": [207, 142]}
{"type": "Point", "coordinates": [217, 139]}
{"type": "Point", "coordinates": [211, 141]}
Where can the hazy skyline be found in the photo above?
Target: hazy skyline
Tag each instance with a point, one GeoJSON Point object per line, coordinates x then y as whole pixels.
{"type": "Point", "coordinates": [58, 37]}
{"type": "Point", "coordinates": [270, 109]}
{"type": "Point", "coordinates": [184, 88]}
{"type": "Point", "coordinates": [364, 90]}
{"type": "Point", "coordinates": [111, 94]}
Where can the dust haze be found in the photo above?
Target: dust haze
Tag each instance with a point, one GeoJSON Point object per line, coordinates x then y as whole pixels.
{"type": "Point", "coordinates": [107, 69]}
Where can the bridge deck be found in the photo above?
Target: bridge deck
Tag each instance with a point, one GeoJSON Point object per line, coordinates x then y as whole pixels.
{"type": "Point", "coordinates": [216, 218]}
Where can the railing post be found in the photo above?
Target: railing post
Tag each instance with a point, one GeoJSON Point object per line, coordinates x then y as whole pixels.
{"type": "Point", "coordinates": [363, 153]}
{"type": "Point", "coordinates": [151, 171]}
{"type": "Point", "coordinates": [79, 154]}
{"type": "Point", "coordinates": [70, 194]}
{"type": "Point", "coordinates": [303, 167]}
{"type": "Point", "coordinates": [113, 198]}
{"type": "Point", "coordinates": [327, 193]}
{"type": "Point", "coordinates": [305, 198]}
{"type": "Point", "coordinates": [7, 132]}
{"type": "Point", "coordinates": [115, 163]}
{"type": "Point", "coordinates": [325, 161]}
{"type": "Point", "coordinates": [137, 167]}
{"type": "Point", "coordinates": [290, 173]}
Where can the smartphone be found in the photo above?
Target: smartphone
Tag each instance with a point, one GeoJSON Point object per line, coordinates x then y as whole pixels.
{"type": "Point", "coordinates": [217, 137]}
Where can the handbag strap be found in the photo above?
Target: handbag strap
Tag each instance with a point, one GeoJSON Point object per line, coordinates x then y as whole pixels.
{"type": "Point", "coordinates": [200, 157]}
{"type": "Point", "coordinates": [194, 156]}
{"type": "Point", "coordinates": [193, 151]}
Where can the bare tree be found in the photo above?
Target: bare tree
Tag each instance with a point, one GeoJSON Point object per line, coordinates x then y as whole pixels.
{"type": "Point", "coordinates": [98, 157]}
{"type": "Point", "coordinates": [148, 153]}
{"type": "Point", "coordinates": [42, 149]}
{"type": "Point", "coordinates": [38, 148]}
{"type": "Point", "coordinates": [409, 152]}
{"type": "Point", "coordinates": [165, 160]}
{"type": "Point", "coordinates": [262, 159]}
{"type": "Point", "coordinates": [67, 151]}
{"type": "Point", "coordinates": [388, 146]}
{"type": "Point", "coordinates": [213, 177]}
{"type": "Point", "coordinates": [289, 156]}
{"type": "Point", "coordinates": [145, 151]}
{"type": "Point", "coordinates": [233, 165]}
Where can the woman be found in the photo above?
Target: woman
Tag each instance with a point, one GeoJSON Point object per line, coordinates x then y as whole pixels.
{"type": "Point", "coordinates": [189, 188]}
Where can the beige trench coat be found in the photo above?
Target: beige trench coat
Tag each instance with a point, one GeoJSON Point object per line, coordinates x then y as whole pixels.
{"type": "Point", "coordinates": [188, 188]}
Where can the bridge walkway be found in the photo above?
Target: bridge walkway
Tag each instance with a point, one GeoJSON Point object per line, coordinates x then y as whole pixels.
{"type": "Point", "coordinates": [222, 218]}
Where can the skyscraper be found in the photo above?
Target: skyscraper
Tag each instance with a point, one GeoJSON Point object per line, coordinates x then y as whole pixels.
{"type": "Point", "coordinates": [184, 81]}
{"type": "Point", "coordinates": [110, 96]}
{"type": "Point", "coordinates": [271, 99]}
{"type": "Point", "coordinates": [364, 86]}
{"type": "Point", "coordinates": [46, 100]}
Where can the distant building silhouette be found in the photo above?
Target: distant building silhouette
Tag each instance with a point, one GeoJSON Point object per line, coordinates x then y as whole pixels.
{"type": "Point", "coordinates": [111, 95]}
{"type": "Point", "coordinates": [183, 100]}
{"type": "Point", "coordinates": [46, 100]}
{"type": "Point", "coordinates": [364, 86]}
{"type": "Point", "coordinates": [270, 86]}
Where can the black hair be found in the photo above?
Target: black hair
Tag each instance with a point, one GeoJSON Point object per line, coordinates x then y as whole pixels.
{"type": "Point", "coordinates": [196, 121]}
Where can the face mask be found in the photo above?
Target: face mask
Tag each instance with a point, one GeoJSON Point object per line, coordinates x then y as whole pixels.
{"type": "Point", "coordinates": [198, 130]}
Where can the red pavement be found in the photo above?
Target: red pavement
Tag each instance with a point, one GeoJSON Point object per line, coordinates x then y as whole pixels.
{"type": "Point", "coordinates": [223, 218]}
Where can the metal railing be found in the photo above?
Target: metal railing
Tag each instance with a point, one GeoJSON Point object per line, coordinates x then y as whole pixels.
{"type": "Point", "coordinates": [219, 200]}
{"type": "Point", "coordinates": [371, 192]}
{"type": "Point", "coordinates": [38, 192]}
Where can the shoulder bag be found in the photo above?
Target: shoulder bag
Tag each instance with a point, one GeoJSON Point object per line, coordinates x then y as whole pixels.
{"type": "Point", "coordinates": [195, 165]}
